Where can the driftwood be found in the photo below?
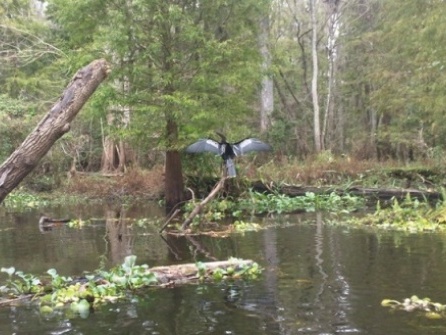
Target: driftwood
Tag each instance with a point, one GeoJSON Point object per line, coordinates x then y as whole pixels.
{"type": "Point", "coordinates": [53, 126]}
{"type": "Point", "coordinates": [184, 273]}
{"type": "Point", "coordinates": [47, 224]}
{"type": "Point", "coordinates": [45, 219]}
{"type": "Point", "coordinates": [171, 217]}
{"type": "Point", "coordinates": [203, 203]}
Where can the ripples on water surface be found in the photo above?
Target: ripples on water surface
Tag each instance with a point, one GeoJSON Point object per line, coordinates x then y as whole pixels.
{"type": "Point", "coordinates": [318, 279]}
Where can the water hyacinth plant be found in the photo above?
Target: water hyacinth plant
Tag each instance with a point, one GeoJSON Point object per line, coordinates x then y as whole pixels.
{"type": "Point", "coordinates": [411, 215]}
{"type": "Point", "coordinates": [84, 294]}
{"type": "Point", "coordinates": [432, 310]}
{"type": "Point", "coordinates": [274, 203]}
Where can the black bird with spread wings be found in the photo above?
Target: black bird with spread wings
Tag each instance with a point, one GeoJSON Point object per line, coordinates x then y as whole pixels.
{"type": "Point", "coordinates": [228, 151]}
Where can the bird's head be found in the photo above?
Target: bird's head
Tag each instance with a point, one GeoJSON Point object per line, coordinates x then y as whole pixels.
{"type": "Point", "coordinates": [223, 137]}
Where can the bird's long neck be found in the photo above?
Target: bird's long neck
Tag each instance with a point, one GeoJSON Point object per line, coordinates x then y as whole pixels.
{"type": "Point", "coordinates": [223, 137]}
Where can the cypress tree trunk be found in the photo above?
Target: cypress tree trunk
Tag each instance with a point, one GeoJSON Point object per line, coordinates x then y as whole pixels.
{"type": "Point", "coordinates": [53, 126]}
{"type": "Point", "coordinates": [174, 186]}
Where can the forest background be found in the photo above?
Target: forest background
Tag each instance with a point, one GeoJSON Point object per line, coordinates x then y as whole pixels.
{"type": "Point", "coordinates": [358, 79]}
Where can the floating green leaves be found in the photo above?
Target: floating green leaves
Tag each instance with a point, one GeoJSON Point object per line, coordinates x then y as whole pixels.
{"type": "Point", "coordinates": [280, 203]}
{"type": "Point", "coordinates": [19, 283]}
{"type": "Point", "coordinates": [243, 272]}
{"type": "Point", "coordinates": [410, 215]}
{"type": "Point", "coordinates": [242, 226]}
{"type": "Point", "coordinates": [82, 308]}
{"type": "Point", "coordinates": [85, 293]}
{"type": "Point", "coordinates": [77, 223]}
{"type": "Point", "coordinates": [82, 293]}
{"type": "Point", "coordinates": [57, 280]}
{"type": "Point", "coordinates": [263, 203]}
{"type": "Point", "coordinates": [432, 310]}
{"type": "Point", "coordinates": [21, 201]}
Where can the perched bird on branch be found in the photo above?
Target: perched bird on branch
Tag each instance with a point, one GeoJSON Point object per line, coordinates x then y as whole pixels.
{"type": "Point", "coordinates": [228, 151]}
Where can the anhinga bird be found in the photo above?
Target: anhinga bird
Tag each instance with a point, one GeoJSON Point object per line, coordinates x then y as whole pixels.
{"type": "Point", "coordinates": [228, 151]}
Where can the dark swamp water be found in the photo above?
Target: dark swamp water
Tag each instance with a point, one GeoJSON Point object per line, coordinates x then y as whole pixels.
{"type": "Point", "coordinates": [318, 278]}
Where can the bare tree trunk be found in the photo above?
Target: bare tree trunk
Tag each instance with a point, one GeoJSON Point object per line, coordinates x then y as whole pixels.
{"type": "Point", "coordinates": [174, 185]}
{"type": "Point", "coordinates": [318, 145]}
{"type": "Point", "coordinates": [114, 155]}
{"type": "Point", "coordinates": [333, 31]}
{"type": "Point", "coordinates": [53, 126]}
{"type": "Point", "coordinates": [267, 94]}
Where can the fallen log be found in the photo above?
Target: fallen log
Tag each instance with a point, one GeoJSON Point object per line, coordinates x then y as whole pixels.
{"type": "Point", "coordinates": [184, 273]}
{"type": "Point", "coordinates": [122, 279]}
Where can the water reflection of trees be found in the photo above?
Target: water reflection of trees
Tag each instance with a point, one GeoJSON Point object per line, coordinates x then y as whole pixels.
{"type": "Point", "coordinates": [119, 232]}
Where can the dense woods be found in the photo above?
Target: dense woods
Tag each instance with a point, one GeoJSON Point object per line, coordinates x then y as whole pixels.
{"type": "Point", "coordinates": [362, 78]}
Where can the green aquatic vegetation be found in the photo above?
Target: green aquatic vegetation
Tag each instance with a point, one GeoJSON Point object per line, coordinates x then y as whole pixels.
{"type": "Point", "coordinates": [84, 294]}
{"type": "Point", "coordinates": [78, 223]}
{"type": "Point", "coordinates": [273, 203]}
{"type": "Point", "coordinates": [243, 272]}
{"type": "Point", "coordinates": [410, 215]}
{"type": "Point", "coordinates": [22, 201]}
{"type": "Point", "coordinates": [130, 276]}
{"type": "Point", "coordinates": [58, 281]}
{"type": "Point", "coordinates": [96, 288]}
{"type": "Point", "coordinates": [242, 226]}
{"type": "Point", "coordinates": [280, 203]}
{"type": "Point", "coordinates": [19, 283]}
{"type": "Point", "coordinates": [215, 210]}
{"type": "Point", "coordinates": [432, 310]}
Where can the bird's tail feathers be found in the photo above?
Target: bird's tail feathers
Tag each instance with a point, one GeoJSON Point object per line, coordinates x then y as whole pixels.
{"type": "Point", "coordinates": [230, 166]}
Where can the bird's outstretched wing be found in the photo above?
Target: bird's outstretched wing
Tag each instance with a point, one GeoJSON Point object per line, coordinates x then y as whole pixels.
{"type": "Point", "coordinates": [248, 145]}
{"type": "Point", "coordinates": [204, 145]}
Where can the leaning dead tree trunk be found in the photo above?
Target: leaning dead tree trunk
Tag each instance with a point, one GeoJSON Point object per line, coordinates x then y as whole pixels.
{"type": "Point", "coordinates": [55, 124]}
{"type": "Point", "coordinates": [203, 203]}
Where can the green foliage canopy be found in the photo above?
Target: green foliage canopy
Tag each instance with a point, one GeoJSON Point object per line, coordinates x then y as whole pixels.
{"type": "Point", "coordinates": [193, 62]}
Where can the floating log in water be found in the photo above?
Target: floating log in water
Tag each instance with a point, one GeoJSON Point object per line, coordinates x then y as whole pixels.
{"type": "Point", "coordinates": [166, 276]}
{"type": "Point", "coordinates": [184, 273]}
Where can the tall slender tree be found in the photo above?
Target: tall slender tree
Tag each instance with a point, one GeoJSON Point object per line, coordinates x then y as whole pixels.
{"type": "Point", "coordinates": [266, 93]}
{"type": "Point", "coordinates": [318, 143]}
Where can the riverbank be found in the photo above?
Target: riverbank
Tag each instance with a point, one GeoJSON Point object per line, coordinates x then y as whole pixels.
{"type": "Point", "coordinates": [342, 175]}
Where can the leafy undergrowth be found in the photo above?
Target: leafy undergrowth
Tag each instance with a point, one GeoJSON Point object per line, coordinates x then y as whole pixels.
{"type": "Point", "coordinates": [410, 215]}
{"type": "Point", "coordinates": [431, 310]}
{"type": "Point", "coordinates": [55, 293]}
{"type": "Point", "coordinates": [20, 200]}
